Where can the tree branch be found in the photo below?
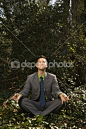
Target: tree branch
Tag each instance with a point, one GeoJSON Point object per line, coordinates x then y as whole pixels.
{"type": "Point", "coordinates": [1, 59]}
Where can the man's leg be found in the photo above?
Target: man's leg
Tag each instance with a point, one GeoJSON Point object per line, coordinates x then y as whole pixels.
{"type": "Point", "coordinates": [30, 106]}
{"type": "Point", "coordinates": [34, 107]}
{"type": "Point", "coordinates": [52, 106]}
{"type": "Point", "coordinates": [58, 108]}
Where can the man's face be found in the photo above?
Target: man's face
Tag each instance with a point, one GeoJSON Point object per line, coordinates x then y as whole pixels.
{"type": "Point", "coordinates": [42, 63]}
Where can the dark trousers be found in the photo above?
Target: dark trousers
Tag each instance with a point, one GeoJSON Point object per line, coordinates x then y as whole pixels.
{"type": "Point", "coordinates": [32, 106]}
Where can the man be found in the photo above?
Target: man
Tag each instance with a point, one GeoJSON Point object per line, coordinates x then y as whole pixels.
{"type": "Point", "coordinates": [43, 86]}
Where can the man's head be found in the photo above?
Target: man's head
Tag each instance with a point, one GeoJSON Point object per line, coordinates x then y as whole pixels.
{"type": "Point", "coordinates": [42, 62]}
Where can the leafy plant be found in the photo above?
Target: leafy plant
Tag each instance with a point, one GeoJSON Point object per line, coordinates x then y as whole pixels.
{"type": "Point", "coordinates": [73, 115]}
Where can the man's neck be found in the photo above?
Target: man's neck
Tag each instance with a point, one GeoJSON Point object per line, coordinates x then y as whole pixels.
{"type": "Point", "coordinates": [41, 72]}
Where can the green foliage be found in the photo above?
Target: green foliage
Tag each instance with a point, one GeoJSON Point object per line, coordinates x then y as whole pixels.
{"type": "Point", "coordinates": [29, 29]}
{"type": "Point", "coordinates": [73, 115]}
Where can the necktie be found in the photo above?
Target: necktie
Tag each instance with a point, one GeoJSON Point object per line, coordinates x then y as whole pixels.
{"type": "Point", "coordinates": [42, 95]}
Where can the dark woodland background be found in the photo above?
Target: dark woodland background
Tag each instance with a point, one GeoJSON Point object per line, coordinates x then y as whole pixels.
{"type": "Point", "coordinates": [31, 28]}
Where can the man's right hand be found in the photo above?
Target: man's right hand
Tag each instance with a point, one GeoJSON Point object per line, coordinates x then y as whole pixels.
{"type": "Point", "coordinates": [16, 97]}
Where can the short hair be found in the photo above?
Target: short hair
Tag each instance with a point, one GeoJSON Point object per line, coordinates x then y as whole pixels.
{"type": "Point", "coordinates": [41, 56]}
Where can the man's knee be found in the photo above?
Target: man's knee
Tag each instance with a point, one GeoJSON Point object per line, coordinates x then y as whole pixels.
{"type": "Point", "coordinates": [64, 104]}
{"type": "Point", "coordinates": [22, 101]}
{"type": "Point", "coordinates": [58, 108]}
{"type": "Point", "coordinates": [60, 103]}
{"type": "Point", "coordinates": [23, 104]}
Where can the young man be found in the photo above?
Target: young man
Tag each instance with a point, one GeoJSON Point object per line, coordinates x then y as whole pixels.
{"type": "Point", "coordinates": [42, 85]}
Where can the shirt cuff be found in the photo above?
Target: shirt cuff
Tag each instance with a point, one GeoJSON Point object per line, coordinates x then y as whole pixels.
{"type": "Point", "coordinates": [60, 94]}
{"type": "Point", "coordinates": [21, 94]}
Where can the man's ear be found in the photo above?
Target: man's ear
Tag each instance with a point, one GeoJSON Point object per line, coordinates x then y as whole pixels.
{"type": "Point", "coordinates": [36, 65]}
{"type": "Point", "coordinates": [47, 65]}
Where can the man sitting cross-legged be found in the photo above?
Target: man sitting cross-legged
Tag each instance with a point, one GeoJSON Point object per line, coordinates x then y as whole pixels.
{"type": "Point", "coordinates": [42, 85]}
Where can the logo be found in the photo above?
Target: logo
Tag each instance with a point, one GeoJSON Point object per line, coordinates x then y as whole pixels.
{"type": "Point", "coordinates": [14, 64]}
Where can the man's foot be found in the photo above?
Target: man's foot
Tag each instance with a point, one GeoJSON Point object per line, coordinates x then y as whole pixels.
{"type": "Point", "coordinates": [31, 115]}
{"type": "Point", "coordinates": [26, 115]}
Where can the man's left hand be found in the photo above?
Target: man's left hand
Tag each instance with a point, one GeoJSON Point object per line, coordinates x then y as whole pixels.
{"type": "Point", "coordinates": [64, 97]}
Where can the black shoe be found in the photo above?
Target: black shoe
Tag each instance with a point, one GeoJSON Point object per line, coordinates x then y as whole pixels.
{"type": "Point", "coordinates": [26, 115]}
{"type": "Point", "coordinates": [31, 115]}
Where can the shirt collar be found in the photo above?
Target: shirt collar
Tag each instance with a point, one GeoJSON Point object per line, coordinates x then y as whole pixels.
{"type": "Point", "coordinates": [41, 76]}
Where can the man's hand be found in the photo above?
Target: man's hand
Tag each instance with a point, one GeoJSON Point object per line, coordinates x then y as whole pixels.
{"type": "Point", "coordinates": [64, 97]}
{"type": "Point", "coordinates": [16, 97]}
